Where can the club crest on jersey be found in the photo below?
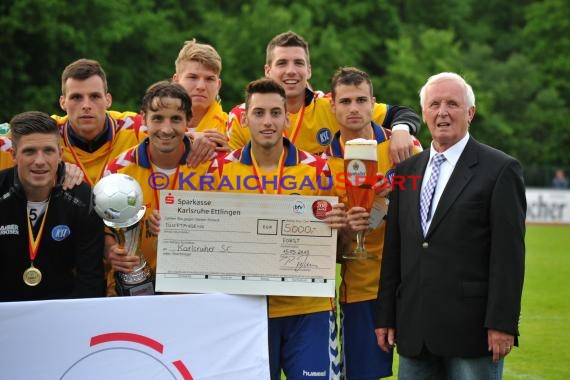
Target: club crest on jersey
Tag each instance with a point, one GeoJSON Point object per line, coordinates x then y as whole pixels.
{"type": "Point", "coordinates": [324, 136]}
{"type": "Point", "coordinates": [60, 232]}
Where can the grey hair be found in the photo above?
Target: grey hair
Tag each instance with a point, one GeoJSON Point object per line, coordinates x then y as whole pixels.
{"type": "Point", "coordinates": [469, 95]}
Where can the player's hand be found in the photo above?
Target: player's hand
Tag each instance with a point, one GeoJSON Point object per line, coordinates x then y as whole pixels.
{"type": "Point", "coordinates": [382, 186]}
{"type": "Point", "coordinates": [119, 260]}
{"type": "Point", "coordinates": [154, 222]}
{"type": "Point", "coordinates": [202, 149]}
{"type": "Point", "coordinates": [401, 146]}
{"type": "Point", "coordinates": [73, 176]}
{"type": "Point", "coordinates": [358, 219]}
{"type": "Point", "coordinates": [219, 139]}
{"type": "Point", "coordinates": [336, 218]}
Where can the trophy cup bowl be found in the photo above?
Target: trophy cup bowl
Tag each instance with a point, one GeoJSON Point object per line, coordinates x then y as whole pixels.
{"type": "Point", "coordinates": [117, 199]}
{"type": "Point", "coordinates": [360, 166]}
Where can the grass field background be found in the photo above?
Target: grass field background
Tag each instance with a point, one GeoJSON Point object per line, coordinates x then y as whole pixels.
{"type": "Point", "coordinates": [544, 344]}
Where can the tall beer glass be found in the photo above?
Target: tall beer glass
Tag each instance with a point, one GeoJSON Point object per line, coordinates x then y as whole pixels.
{"type": "Point", "coordinates": [360, 166]}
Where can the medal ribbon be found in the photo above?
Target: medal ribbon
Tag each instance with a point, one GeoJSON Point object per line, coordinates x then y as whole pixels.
{"type": "Point", "coordinates": [257, 170]}
{"type": "Point", "coordinates": [34, 243]}
{"type": "Point", "coordinates": [174, 181]}
{"type": "Point", "coordinates": [76, 158]}
{"type": "Point", "coordinates": [295, 131]}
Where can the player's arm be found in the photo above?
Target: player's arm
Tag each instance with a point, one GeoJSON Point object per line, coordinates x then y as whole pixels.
{"type": "Point", "coordinates": [403, 122]}
{"type": "Point", "coordinates": [73, 176]}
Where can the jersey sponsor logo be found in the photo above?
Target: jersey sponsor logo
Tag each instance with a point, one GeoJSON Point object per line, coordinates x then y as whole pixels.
{"type": "Point", "coordinates": [324, 136]}
{"type": "Point", "coordinates": [60, 232]}
{"type": "Point", "coordinates": [9, 229]}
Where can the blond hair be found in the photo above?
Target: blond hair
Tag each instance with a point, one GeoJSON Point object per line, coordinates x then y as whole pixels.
{"type": "Point", "coordinates": [198, 52]}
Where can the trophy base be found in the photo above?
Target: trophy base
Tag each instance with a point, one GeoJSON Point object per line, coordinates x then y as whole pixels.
{"type": "Point", "coordinates": [366, 256]}
{"type": "Point", "coordinates": [358, 254]}
{"type": "Point", "coordinates": [145, 288]}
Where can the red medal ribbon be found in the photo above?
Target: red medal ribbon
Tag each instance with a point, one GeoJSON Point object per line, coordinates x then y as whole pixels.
{"type": "Point", "coordinates": [256, 172]}
{"type": "Point", "coordinates": [295, 130]}
{"type": "Point", "coordinates": [78, 162]}
{"type": "Point", "coordinates": [34, 243]}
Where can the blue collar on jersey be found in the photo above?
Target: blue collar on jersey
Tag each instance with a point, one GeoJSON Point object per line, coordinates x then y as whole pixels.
{"type": "Point", "coordinates": [91, 146]}
{"type": "Point", "coordinates": [143, 160]}
{"type": "Point", "coordinates": [335, 150]}
{"type": "Point", "coordinates": [292, 158]}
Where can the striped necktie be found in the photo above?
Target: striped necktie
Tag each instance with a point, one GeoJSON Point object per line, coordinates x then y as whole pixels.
{"type": "Point", "coordinates": [426, 196]}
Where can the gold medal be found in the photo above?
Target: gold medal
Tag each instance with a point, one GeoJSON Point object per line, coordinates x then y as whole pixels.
{"type": "Point", "coordinates": [32, 276]}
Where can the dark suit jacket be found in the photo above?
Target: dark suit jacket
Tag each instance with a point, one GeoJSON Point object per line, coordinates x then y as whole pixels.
{"type": "Point", "coordinates": [466, 276]}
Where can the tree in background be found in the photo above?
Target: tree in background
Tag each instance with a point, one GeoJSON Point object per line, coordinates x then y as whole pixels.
{"type": "Point", "coordinates": [512, 53]}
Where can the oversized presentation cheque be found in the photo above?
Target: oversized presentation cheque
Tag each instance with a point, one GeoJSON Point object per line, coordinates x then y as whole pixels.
{"type": "Point", "coordinates": [246, 244]}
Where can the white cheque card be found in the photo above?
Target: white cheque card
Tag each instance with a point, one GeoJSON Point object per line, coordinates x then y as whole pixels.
{"type": "Point", "coordinates": [235, 243]}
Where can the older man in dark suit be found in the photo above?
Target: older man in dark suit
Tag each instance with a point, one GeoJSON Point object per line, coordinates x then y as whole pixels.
{"type": "Point", "coordinates": [453, 265]}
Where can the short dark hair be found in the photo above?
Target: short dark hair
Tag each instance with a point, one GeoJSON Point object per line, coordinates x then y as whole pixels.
{"type": "Point", "coordinates": [166, 89]}
{"type": "Point", "coordinates": [26, 123]}
{"type": "Point", "coordinates": [264, 86]}
{"type": "Point", "coordinates": [349, 76]}
{"type": "Point", "coordinates": [83, 69]}
{"type": "Point", "coordinates": [287, 39]}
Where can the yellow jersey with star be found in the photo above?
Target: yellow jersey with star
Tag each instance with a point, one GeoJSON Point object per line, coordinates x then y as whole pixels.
{"type": "Point", "coordinates": [6, 153]}
{"type": "Point", "coordinates": [123, 131]}
{"type": "Point", "coordinates": [136, 163]}
{"type": "Point", "coordinates": [215, 118]}
{"type": "Point", "coordinates": [359, 278]}
{"type": "Point", "coordinates": [230, 169]}
{"type": "Point", "coordinates": [311, 129]}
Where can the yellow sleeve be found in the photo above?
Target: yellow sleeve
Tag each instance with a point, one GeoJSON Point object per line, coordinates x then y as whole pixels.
{"type": "Point", "coordinates": [239, 135]}
{"type": "Point", "coordinates": [379, 113]}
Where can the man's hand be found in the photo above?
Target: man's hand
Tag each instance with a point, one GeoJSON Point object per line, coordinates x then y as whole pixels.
{"type": "Point", "coordinates": [499, 343]}
{"type": "Point", "coordinates": [73, 176]}
{"type": "Point", "coordinates": [386, 337]}
{"type": "Point", "coordinates": [117, 256]}
{"type": "Point", "coordinates": [382, 186]}
{"type": "Point", "coordinates": [336, 218]}
{"type": "Point", "coordinates": [154, 222]}
{"type": "Point", "coordinates": [401, 146]}
{"type": "Point", "coordinates": [202, 149]}
{"type": "Point", "coordinates": [219, 139]}
{"type": "Point", "coordinates": [358, 219]}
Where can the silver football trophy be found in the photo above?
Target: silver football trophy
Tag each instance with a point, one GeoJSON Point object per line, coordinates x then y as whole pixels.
{"type": "Point", "coordinates": [117, 199]}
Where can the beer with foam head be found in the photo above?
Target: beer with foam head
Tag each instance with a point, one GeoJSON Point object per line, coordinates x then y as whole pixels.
{"type": "Point", "coordinates": [360, 166]}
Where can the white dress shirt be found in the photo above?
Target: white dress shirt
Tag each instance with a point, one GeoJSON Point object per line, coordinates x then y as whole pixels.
{"type": "Point", "coordinates": [451, 157]}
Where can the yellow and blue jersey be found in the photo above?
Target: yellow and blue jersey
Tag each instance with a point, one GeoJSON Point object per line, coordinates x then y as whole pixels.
{"type": "Point", "coordinates": [136, 163]}
{"type": "Point", "coordinates": [215, 118]}
{"type": "Point", "coordinates": [229, 169]}
{"type": "Point", "coordinates": [5, 153]}
{"type": "Point", "coordinates": [359, 278]}
{"type": "Point", "coordinates": [123, 131]}
{"type": "Point", "coordinates": [311, 129]}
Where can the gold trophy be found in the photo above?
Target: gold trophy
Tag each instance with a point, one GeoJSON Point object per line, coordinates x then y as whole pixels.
{"type": "Point", "coordinates": [360, 166]}
{"type": "Point", "coordinates": [117, 199]}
